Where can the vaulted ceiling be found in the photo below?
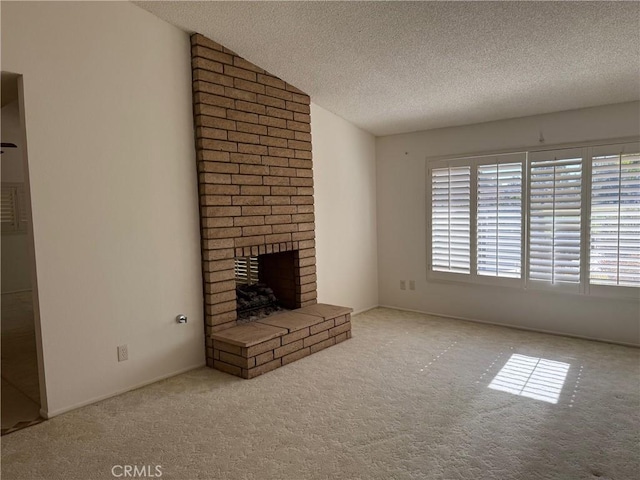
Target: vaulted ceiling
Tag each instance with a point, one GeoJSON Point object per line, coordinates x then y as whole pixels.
{"type": "Point", "coordinates": [392, 67]}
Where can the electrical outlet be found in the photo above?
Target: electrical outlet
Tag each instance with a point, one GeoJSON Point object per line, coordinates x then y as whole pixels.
{"type": "Point", "coordinates": [123, 353]}
{"type": "Point", "coordinates": [403, 285]}
{"type": "Point", "coordinates": [412, 284]}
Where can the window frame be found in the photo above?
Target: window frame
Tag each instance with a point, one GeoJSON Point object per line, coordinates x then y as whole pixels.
{"type": "Point", "coordinates": [594, 289]}
{"type": "Point", "coordinates": [585, 287]}
{"type": "Point", "coordinates": [448, 276]}
{"type": "Point", "coordinates": [473, 162]}
{"type": "Point", "coordinates": [576, 288]}
{"type": "Point", "coordinates": [518, 157]}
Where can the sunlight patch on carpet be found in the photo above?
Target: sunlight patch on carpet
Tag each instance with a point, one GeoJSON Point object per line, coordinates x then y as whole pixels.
{"type": "Point", "coordinates": [531, 377]}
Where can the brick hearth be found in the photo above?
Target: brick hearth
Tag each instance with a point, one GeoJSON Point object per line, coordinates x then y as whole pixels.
{"type": "Point", "coordinates": [259, 347]}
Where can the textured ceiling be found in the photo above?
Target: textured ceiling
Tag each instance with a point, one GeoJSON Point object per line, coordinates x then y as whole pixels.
{"type": "Point", "coordinates": [392, 67]}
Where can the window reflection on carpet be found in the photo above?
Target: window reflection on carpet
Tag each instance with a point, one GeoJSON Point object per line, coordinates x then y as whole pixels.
{"type": "Point", "coordinates": [532, 377]}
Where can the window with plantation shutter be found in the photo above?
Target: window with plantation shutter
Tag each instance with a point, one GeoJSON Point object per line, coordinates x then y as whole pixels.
{"type": "Point", "coordinates": [555, 209]}
{"type": "Point", "coordinates": [450, 219]}
{"type": "Point", "coordinates": [563, 219]}
{"type": "Point", "coordinates": [614, 249]}
{"type": "Point", "coordinates": [499, 219]}
{"type": "Point", "coordinates": [246, 270]}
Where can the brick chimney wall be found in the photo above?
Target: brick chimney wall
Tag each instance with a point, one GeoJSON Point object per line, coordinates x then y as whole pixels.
{"type": "Point", "coordinates": [255, 178]}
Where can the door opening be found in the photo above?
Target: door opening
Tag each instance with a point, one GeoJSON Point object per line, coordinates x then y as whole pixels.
{"type": "Point", "coordinates": [22, 385]}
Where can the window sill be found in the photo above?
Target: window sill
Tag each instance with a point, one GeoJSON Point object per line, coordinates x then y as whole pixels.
{"type": "Point", "coordinates": [592, 291]}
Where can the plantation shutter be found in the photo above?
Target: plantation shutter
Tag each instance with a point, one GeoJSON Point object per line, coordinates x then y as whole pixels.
{"type": "Point", "coordinates": [499, 219]}
{"type": "Point", "coordinates": [13, 208]}
{"type": "Point", "coordinates": [241, 269]}
{"type": "Point", "coordinates": [555, 216]}
{"type": "Point", "coordinates": [253, 269]}
{"type": "Point", "coordinates": [22, 207]}
{"type": "Point", "coordinates": [614, 251]}
{"type": "Point", "coordinates": [8, 209]}
{"type": "Point", "coordinates": [246, 270]}
{"type": "Point", "coordinates": [450, 219]}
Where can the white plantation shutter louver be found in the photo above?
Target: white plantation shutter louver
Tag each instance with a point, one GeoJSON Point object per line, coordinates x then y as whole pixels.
{"type": "Point", "coordinates": [614, 250]}
{"type": "Point", "coordinates": [253, 269]}
{"type": "Point", "coordinates": [246, 270]}
{"type": "Point", "coordinates": [13, 208]}
{"type": "Point", "coordinates": [499, 219]}
{"type": "Point", "coordinates": [555, 216]}
{"type": "Point", "coordinates": [8, 206]}
{"type": "Point", "coordinates": [240, 269]}
{"type": "Point", "coordinates": [450, 219]}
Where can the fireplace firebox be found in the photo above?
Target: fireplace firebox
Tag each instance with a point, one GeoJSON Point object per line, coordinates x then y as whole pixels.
{"type": "Point", "coordinates": [265, 285]}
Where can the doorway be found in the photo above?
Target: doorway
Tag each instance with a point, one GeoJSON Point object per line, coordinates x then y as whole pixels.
{"type": "Point", "coordinates": [21, 383]}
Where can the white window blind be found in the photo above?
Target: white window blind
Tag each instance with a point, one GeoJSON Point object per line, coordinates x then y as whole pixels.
{"type": "Point", "coordinates": [450, 219]}
{"type": "Point", "coordinates": [614, 252]}
{"type": "Point", "coordinates": [13, 208]}
{"type": "Point", "coordinates": [246, 270]}
{"type": "Point", "coordinates": [8, 206]}
{"type": "Point", "coordinates": [555, 216]}
{"type": "Point", "coordinates": [499, 220]}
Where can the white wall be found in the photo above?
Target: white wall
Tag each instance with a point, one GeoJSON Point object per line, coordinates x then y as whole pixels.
{"type": "Point", "coordinates": [344, 174]}
{"type": "Point", "coordinates": [402, 217]}
{"type": "Point", "coordinates": [16, 271]}
{"type": "Point", "coordinates": [114, 197]}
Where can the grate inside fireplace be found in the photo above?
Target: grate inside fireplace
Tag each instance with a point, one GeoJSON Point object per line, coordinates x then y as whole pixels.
{"type": "Point", "coordinates": [255, 300]}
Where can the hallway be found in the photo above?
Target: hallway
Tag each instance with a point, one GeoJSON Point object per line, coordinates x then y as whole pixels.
{"type": "Point", "coordinates": [20, 388]}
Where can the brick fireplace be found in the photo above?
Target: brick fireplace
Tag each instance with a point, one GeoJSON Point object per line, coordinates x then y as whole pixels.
{"type": "Point", "coordinates": [255, 178]}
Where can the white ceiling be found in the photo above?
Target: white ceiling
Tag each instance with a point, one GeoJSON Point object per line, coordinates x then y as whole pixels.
{"type": "Point", "coordinates": [392, 67]}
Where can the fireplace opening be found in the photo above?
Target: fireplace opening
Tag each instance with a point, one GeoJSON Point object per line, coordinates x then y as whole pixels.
{"type": "Point", "coordinates": [265, 284]}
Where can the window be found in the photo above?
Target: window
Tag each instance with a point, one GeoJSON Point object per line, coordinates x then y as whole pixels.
{"type": "Point", "coordinates": [499, 220]}
{"type": "Point", "coordinates": [246, 270]}
{"type": "Point", "coordinates": [13, 208]}
{"type": "Point", "coordinates": [614, 250]}
{"type": "Point", "coordinates": [450, 200]}
{"type": "Point", "coordinates": [555, 216]}
{"type": "Point", "coordinates": [566, 219]}
{"type": "Point", "coordinates": [476, 218]}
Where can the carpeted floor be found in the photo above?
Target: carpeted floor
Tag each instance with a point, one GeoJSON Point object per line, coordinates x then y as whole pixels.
{"type": "Point", "coordinates": [409, 397]}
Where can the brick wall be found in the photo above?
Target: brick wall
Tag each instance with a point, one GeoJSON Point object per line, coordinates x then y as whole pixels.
{"type": "Point", "coordinates": [253, 144]}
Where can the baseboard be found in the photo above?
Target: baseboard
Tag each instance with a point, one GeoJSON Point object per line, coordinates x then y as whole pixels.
{"type": "Point", "coordinates": [515, 327]}
{"type": "Point", "coordinates": [60, 411]}
{"type": "Point", "coordinates": [362, 310]}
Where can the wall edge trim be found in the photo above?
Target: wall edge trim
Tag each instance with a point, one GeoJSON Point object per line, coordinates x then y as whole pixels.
{"type": "Point", "coordinates": [516, 327]}
{"type": "Point", "coordinates": [99, 398]}
{"type": "Point", "coordinates": [364, 310]}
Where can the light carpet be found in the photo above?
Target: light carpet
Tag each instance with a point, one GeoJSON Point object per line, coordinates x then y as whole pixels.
{"type": "Point", "coordinates": [407, 398]}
